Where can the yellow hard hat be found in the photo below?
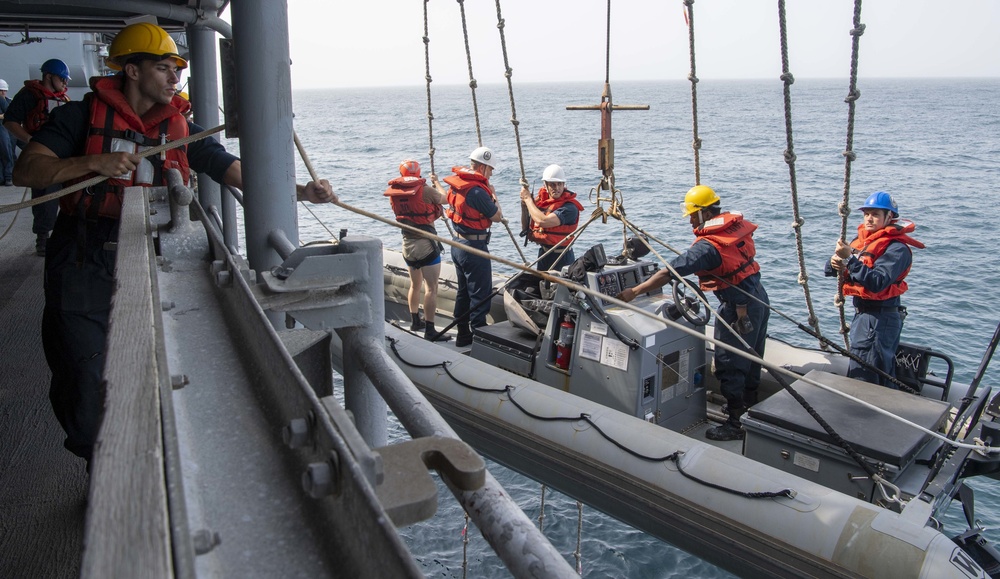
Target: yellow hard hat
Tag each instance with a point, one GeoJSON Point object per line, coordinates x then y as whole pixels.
{"type": "Point", "coordinates": [142, 38]}
{"type": "Point", "coordinates": [698, 197]}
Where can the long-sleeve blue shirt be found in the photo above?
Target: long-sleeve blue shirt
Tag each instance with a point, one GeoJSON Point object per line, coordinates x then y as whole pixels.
{"type": "Point", "coordinates": [887, 268]}
{"type": "Point", "coordinates": [703, 256]}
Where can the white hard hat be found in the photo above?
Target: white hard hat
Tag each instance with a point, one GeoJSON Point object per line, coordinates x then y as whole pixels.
{"type": "Point", "coordinates": [554, 174]}
{"type": "Point", "coordinates": [485, 156]}
{"type": "Point", "coordinates": [3, 85]}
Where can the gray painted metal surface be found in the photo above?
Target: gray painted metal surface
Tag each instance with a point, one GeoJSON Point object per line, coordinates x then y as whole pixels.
{"type": "Point", "coordinates": [204, 93]}
{"type": "Point", "coordinates": [260, 37]}
{"type": "Point", "coordinates": [816, 532]}
{"type": "Point", "coordinates": [519, 544]}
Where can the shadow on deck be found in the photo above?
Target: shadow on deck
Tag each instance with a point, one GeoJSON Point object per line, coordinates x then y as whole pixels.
{"type": "Point", "coordinates": [43, 488]}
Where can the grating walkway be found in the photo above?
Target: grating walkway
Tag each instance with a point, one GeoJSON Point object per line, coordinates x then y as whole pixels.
{"type": "Point", "coordinates": [42, 486]}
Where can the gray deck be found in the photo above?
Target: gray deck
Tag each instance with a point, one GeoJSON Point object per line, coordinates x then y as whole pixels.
{"type": "Point", "coordinates": [43, 488]}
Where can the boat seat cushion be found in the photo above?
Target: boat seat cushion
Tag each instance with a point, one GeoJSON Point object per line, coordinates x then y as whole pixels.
{"type": "Point", "coordinates": [872, 434]}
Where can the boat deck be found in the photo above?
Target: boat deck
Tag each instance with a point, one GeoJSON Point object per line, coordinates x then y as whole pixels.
{"type": "Point", "coordinates": [43, 488]}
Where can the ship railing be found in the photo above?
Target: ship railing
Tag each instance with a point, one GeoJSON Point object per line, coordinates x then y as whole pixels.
{"type": "Point", "coordinates": [137, 516]}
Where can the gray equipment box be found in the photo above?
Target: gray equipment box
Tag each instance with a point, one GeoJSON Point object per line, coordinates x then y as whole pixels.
{"type": "Point", "coordinates": [781, 434]}
{"type": "Point", "coordinates": [506, 346]}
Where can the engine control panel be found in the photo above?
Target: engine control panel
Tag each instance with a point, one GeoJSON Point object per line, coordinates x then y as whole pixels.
{"type": "Point", "coordinates": [613, 279]}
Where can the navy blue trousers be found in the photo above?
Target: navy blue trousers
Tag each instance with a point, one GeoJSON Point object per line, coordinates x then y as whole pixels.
{"type": "Point", "coordinates": [75, 326]}
{"type": "Point", "coordinates": [549, 262]}
{"type": "Point", "coordinates": [736, 374]}
{"type": "Point", "coordinates": [874, 338]}
{"type": "Point", "coordinates": [475, 282]}
{"type": "Point", "coordinates": [44, 213]}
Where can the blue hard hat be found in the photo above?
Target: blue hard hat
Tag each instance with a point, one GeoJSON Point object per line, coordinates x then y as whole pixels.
{"type": "Point", "coordinates": [56, 67]}
{"type": "Point", "coordinates": [881, 200]}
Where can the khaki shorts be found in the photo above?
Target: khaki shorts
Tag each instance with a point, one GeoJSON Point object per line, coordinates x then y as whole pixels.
{"type": "Point", "coordinates": [418, 249]}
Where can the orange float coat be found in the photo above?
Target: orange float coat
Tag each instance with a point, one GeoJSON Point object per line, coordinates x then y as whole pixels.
{"type": "Point", "coordinates": [869, 247]}
{"type": "Point", "coordinates": [115, 127]}
{"type": "Point", "coordinates": [553, 235]}
{"type": "Point", "coordinates": [732, 236]}
{"type": "Point", "coordinates": [406, 195]}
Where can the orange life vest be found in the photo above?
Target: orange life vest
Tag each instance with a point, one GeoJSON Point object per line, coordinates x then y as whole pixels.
{"type": "Point", "coordinates": [38, 115]}
{"type": "Point", "coordinates": [114, 127]}
{"type": "Point", "coordinates": [406, 195]}
{"type": "Point", "coordinates": [732, 236]}
{"type": "Point", "coordinates": [553, 235]}
{"type": "Point", "coordinates": [869, 247]}
{"type": "Point", "coordinates": [463, 180]}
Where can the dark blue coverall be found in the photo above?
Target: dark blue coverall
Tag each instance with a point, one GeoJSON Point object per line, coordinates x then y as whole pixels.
{"type": "Point", "coordinates": [738, 377]}
{"type": "Point", "coordinates": [78, 291]}
{"type": "Point", "coordinates": [475, 274]}
{"type": "Point", "coordinates": [877, 324]}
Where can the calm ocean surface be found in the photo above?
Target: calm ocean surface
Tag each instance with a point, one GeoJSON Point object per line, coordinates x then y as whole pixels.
{"type": "Point", "coordinates": [935, 145]}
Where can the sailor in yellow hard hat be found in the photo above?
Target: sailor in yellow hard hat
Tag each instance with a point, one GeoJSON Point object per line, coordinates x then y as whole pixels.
{"type": "Point", "coordinates": [138, 107]}
{"type": "Point", "coordinates": [723, 258]}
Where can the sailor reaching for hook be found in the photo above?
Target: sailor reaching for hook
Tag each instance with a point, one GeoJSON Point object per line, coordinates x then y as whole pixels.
{"type": "Point", "coordinates": [874, 267]}
{"type": "Point", "coordinates": [554, 215]}
{"type": "Point", "coordinates": [722, 256]}
{"type": "Point", "coordinates": [101, 135]}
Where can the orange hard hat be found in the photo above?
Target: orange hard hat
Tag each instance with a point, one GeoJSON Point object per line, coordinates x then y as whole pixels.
{"type": "Point", "coordinates": [409, 168]}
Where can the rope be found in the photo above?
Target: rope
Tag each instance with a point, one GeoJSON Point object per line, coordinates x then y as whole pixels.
{"type": "Point", "coordinates": [472, 79]}
{"type": "Point", "coordinates": [541, 512]}
{"type": "Point", "coordinates": [312, 172]}
{"type": "Point", "coordinates": [508, 73]}
{"type": "Point", "coordinates": [849, 156]}
{"type": "Point", "coordinates": [465, 547]}
{"type": "Point", "coordinates": [14, 220]}
{"type": "Point", "coordinates": [100, 178]}
{"type": "Point", "coordinates": [427, 77]}
{"type": "Point", "coordinates": [696, 140]}
{"type": "Point", "coordinates": [797, 224]}
{"type": "Point", "coordinates": [579, 529]}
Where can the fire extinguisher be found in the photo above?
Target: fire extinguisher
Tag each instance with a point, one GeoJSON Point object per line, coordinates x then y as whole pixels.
{"type": "Point", "coordinates": [564, 345]}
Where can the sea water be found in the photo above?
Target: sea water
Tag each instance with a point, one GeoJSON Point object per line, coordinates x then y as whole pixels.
{"type": "Point", "coordinates": [933, 144]}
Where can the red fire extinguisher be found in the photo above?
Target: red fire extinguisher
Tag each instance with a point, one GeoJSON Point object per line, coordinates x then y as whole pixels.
{"type": "Point", "coordinates": [564, 345]}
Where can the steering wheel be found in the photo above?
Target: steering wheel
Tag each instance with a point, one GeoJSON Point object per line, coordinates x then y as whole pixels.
{"type": "Point", "coordinates": [690, 306]}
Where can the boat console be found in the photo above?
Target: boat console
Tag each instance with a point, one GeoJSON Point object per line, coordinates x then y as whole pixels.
{"type": "Point", "coordinates": [608, 354]}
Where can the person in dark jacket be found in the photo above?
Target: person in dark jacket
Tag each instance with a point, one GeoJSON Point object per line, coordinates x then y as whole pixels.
{"type": "Point", "coordinates": [874, 268]}
{"type": "Point", "coordinates": [554, 215]}
{"type": "Point", "coordinates": [27, 113]}
{"type": "Point", "coordinates": [474, 208]}
{"type": "Point", "coordinates": [79, 267]}
{"type": "Point", "coordinates": [722, 257]}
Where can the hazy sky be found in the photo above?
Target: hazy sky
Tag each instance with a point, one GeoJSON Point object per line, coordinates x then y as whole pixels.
{"type": "Point", "coordinates": [379, 42]}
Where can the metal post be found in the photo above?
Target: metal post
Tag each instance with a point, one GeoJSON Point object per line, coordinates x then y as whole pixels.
{"type": "Point", "coordinates": [204, 97]}
{"type": "Point", "coordinates": [205, 102]}
{"type": "Point", "coordinates": [360, 395]}
{"type": "Point", "coordinates": [260, 36]}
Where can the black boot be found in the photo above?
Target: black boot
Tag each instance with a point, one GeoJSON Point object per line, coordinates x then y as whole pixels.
{"type": "Point", "coordinates": [416, 324]}
{"type": "Point", "coordinates": [464, 337]}
{"type": "Point", "coordinates": [431, 335]}
{"type": "Point", "coordinates": [731, 429]}
{"type": "Point", "coordinates": [40, 240]}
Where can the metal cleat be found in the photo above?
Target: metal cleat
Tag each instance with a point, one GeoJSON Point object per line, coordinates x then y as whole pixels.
{"type": "Point", "coordinates": [408, 492]}
{"type": "Point", "coordinates": [319, 266]}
